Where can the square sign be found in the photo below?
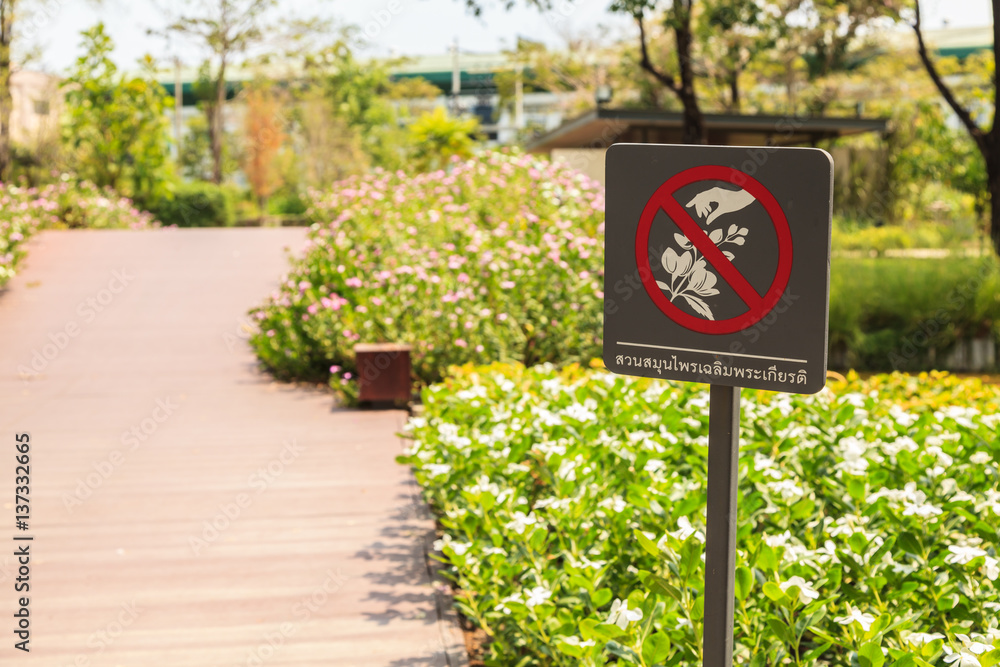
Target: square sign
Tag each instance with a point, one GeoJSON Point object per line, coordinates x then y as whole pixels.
{"type": "Point", "coordinates": [717, 264]}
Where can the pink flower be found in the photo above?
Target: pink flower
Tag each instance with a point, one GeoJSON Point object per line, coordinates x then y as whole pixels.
{"type": "Point", "coordinates": [461, 343]}
{"type": "Point", "coordinates": [507, 284]}
{"type": "Point", "coordinates": [354, 282]}
{"type": "Point", "coordinates": [335, 369]}
{"type": "Point", "coordinates": [347, 376]}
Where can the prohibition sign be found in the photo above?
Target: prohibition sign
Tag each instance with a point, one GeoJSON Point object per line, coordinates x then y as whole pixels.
{"type": "Point", "coordinates": [758, 305]}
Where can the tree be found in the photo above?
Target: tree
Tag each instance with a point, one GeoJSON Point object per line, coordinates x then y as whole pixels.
{"type": "Point", "coordinates": [732, 33]}
{"type": "Point", "coordinates": [986, 138]}
{"type": "Point", "coordinates": [264, 136]}
{"type": "Point", "coordinates": [7, 8]}
{"type": "Point", "coordinates": [228, 28]}
{"type": "Point", "coordinates": [115, 125]}
{"type": "Point", "coordinates": [677, 18]}
{"type": "Point", "coordinates": [436, 138]}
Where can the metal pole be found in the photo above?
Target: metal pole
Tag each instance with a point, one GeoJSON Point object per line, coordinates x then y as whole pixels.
{"type": "Point", "coordinates": [178, 107]}
{"type": "Point", "coordinates": [720, 537]}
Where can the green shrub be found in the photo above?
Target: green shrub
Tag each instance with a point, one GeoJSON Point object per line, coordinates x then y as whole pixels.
{"type": "Point", "coordinates": [501, 259]}
{"type": "Point", "coordinates": [197, 204]}
{"type": "Point", "coordinates": [906, 314]}
{"type": "Point", "coordinates": [497, 258]}
{"type": "Point", "coordinates": [290, 203]}
{"type": "Point", "coordinates": [867, 522]}
{"type": "Point", "coordinates": [65, 204]}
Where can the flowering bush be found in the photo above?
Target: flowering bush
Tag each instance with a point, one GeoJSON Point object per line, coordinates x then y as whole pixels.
{"type": "Point", "coordinates": [572, 505]}
{"type": "Point", "coordinates": [498, 258]}
{"type": "Point", "coordinates": [23, 211]}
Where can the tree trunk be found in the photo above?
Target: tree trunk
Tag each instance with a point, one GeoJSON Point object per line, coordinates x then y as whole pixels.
{"type": "Point", "coordinates": [993, 178]}
{"type": "Point", "coordinates": [217, 128]}
{"type": "Point", "coordinates": [734, 92]}
{"type": "Point", "coordinates": [6, 99]}
{"type": "Point", "coordinates": [694, 123]}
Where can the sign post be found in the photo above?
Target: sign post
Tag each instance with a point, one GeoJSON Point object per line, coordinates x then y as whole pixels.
{"type": "Point", "coordinates": [720, 534]}
{"type": "Point", "coordinates": [717, 270]}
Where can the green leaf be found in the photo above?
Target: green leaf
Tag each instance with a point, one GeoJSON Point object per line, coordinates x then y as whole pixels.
{"type": "Point", "coordinates": [882, 550]}
{"type": "Point", "coordinates": [910, 543]}
{"type": "Point", "coordinates": [871, 655]}
{"type": "Point", "coordinates": [647, 544]}
{"type": "Point", "coordinates": [946, 602]}
{"type": "Point", "coordinates": [767, 559]}
{"type": "Point", "coordinates": [856, 487]}
{"type": "Point", "coordinates": [698, 609]}
{"type": "Point", "coordinates": [774, 592]}
{"type": "Point", "coordinates": [816, 652]}
{"type": "Point", "coordinates": [623, 652]}
{"type": "Point", "coordinates": [744, 582]}
{"type": "Point", "coordinates": [778, 627]}
{"type": "Point", "coordinates": [607, 631]}
{"type": "Point", "coordinates": [656, 648]}
{"type": "Point", "coordinates": [601, 597]}
{"type": "Point", "coordinates": [858, 543]}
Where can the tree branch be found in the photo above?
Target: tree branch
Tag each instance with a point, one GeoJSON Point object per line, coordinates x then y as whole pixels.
{"type": "Point", "coordinates": [664, 78]}
{"type": "Point", "coordinates": [977, 133]}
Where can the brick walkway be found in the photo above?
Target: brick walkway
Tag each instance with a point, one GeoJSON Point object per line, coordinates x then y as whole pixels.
{"type": "Point", "coordinates": [187, 510]}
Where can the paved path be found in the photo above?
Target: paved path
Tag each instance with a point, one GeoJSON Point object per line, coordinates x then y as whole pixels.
{"type": "Point", "coordinates": [185, 509]}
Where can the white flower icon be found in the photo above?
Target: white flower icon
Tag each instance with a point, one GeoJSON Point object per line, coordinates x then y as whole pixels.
{"type": "Point", "coordinates": [621, 615]}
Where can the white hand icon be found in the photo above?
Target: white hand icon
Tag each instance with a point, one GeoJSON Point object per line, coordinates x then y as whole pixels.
{"type": "Point", "coordinates": [726, 201]}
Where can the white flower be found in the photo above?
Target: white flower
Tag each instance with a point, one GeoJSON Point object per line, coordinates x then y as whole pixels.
{"type": "Point", "coordinates": [576, 641]}
{"type": "Point", "coordinates": [621, 615]}
{"type": "Point", "coordinates": [898, 445]}
{"type": "Point", "coordinates": [980, 458]}
{"type": "Point", "coordinates": [921, 638]}
{"type": "Point", "coordinates": [686, 530]}
{"type": "Point", "coordinates": [437, 469]}
{"type": "Point", "coordinates": [855, 616]}
{"type": "Point", "coordinates": [902, 417]}
{"type": "Point", "coordinates": [992, 568]}
{"type": "Point", "coordinates": [537, 595]}
{"type": "Point", "coordinates": [580, 413]}
{"type": "Point", "coordinates": [973, 646]}
{"type": "Point", "coordinates": [963, 555]}
{"type": "Point", "coordinates": [923, 510]}
{"type": "Point", "coordinates": [787, 489]}
{"type": "Point", "coordinates": [806, 591]}
{"type": "Point", "coordinates": [962, 659]}
{"type": "Point", "coordinates": [615, 503]}
{"type": "Point", "coordinates": [502, 606]}
{"type": "Point", "coordinates": [459, 548]}
{"type": "Point", "coordinates": [521, 522]}
{"type": "Point", "coordinates": [653, 465]}
{"type": "Point", "coordinates": [775, 541]}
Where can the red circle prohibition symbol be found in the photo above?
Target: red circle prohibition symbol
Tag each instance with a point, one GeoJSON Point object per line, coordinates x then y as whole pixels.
{"type": "Point", "coordinates": [758, 305]}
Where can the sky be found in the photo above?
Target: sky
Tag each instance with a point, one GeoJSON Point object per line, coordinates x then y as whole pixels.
{"type": "Point", "coordinates": [394, 27]}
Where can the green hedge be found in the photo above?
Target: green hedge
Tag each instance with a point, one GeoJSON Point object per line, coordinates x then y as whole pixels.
{"type": "Point", "coordinates": [866, 537]}
{"type": "Point", "coordinates": [906, 314]}
{"type": "Point", "coordinates": [197, 204]}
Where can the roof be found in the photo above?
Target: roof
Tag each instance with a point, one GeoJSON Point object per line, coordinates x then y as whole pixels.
{"type": "Point", "coordinates": [600, 128]}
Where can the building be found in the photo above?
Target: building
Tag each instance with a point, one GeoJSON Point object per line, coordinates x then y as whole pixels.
{"type": "Point", "coordinates": [37, 104]}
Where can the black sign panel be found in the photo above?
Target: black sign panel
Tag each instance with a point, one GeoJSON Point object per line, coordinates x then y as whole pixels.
{"type": "Point", "coordinates": [717, 264]}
